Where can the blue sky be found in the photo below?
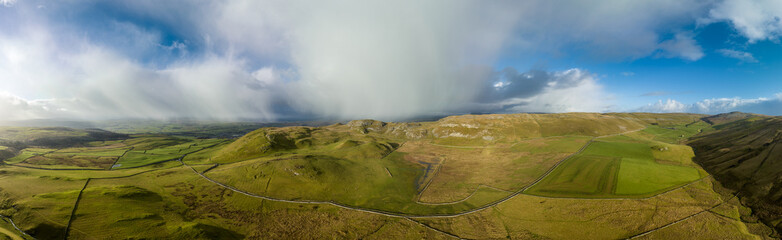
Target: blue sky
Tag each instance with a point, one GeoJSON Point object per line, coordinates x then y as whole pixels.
{"type": "Point", "coordinates": [283, 60]}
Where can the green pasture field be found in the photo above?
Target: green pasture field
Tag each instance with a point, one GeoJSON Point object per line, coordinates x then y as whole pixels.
{"type": "Point", "coordinates": [580, 176]}
{"type": "Point", "coordinates": [105, 143]}
{"type": "Point", "coordinates": [139, 158]}
{"type": "Point", "coordinates": [101, 159]}
{"type": "Point", "coordinates": [619, 149]}
{"type": "Point", "coordinates": [205, 156]}
{"type": "Point", "coordinates": [621, 166]}
{"type": "Point", "coordinates": [98, 152]}
{"type": "Point", "coordinates": [642, 176]}
{"type": "Point", "coordinates": [677, 133]}
{"type": "Point", "coordinates": [137, 151]}
{"type": "Point", "coordinates": [151, 142]}
{"type": "Point", "coordinates": [167, 149]}
{"type": "Point", "coordinates": [27, 153]}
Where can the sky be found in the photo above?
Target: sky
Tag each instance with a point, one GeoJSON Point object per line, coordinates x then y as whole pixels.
{"type": "Point", "coordinates": [389, 60]}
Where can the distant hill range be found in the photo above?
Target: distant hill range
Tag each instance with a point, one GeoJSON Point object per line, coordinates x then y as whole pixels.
{"type": "Point", "coordinates": [179, 127]}
{"type": "Point", "coordinates": [54, 136]}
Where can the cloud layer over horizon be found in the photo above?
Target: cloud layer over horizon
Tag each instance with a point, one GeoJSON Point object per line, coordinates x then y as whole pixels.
{"type": "Point", "coordinates": [768, 106]}
{"type": "Point", "coordinates": [280, 60]}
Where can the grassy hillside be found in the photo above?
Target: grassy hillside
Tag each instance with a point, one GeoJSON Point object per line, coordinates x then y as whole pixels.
{"type": "Point", "coordinates": [458, 162]}
{"type": "Point", "coordinates": [630, 165]}
{"type": "Point", "coordinates": [517, 176]}
{"type": "Point", "coordinates": [745, 155]}
{"type": "Point", "coordinates": [136, 151]}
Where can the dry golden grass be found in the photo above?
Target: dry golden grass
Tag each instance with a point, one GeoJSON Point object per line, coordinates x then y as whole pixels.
{"type": "Point", "coordinates": [527, 216]}
{"type": "Point", "coordinates": [457, 172]}
{"type": "Point", "coordinates": [703, 226]}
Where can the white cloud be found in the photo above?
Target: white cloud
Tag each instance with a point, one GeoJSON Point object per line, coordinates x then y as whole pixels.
{"type": "Point", "coordinates": [338, 59]}
{"type": "Point", "coordinates": [756, 20]}
{"type": "Point", "coordinates": [770, 106]}
{"type": "Point", "coordinates": [572, 90]}
{"type": "Point", "coordinates": [345, 60]}
{"type": "Point", "coordinates": [665, 106]}
{"type": "Point", "coordinates": [16, 108]}
{"type": "Point", "coordinates": [719, 105]}
{"type": "Point", "coordinates": [740, 55]}
{"type": "Point", "coordinates": [91, 82]}
{"type": "Point", "coordinates": [7, 3]}
{"type": "Point", "coordinates": [681, 46]}
{"type": "Point", "coordinates": [575, 91]}
{"type": "Point", "coordinates": [392, 61]}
